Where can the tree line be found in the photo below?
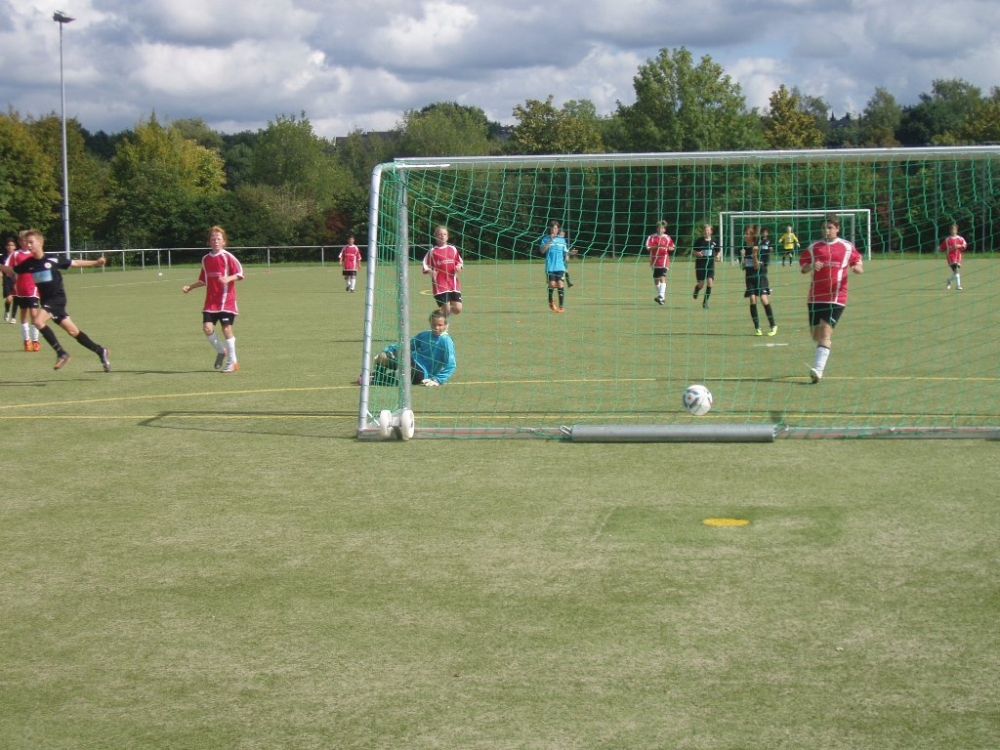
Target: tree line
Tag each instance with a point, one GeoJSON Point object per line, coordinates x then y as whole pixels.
{"type": "Point", "coordinates": [162, 183]}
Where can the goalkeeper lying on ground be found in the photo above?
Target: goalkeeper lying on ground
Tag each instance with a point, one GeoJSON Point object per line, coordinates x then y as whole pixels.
{"type": "Point", "coordinates": [432, 357]}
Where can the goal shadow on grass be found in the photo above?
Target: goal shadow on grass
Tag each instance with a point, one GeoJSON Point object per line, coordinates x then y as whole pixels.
{"type": "Point", "coordinates": [325, 424]}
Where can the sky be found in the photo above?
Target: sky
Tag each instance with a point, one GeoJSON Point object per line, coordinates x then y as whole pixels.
{"type": "Point", "coordinates": [360, 65]}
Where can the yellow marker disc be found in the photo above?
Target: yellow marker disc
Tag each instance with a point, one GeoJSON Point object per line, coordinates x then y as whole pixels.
{"type": "Point", "coordinates": [726, 522]}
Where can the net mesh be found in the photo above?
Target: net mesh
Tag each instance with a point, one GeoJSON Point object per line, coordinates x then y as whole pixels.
{"type": "Point", "coordinates": [909, 355]}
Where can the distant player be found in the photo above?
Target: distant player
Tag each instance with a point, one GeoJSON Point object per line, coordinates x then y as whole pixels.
{"type": "Point", "coordinates": [350, 262]}
{"type": "Point", "coordinates": [789, 244]}
{"type": "Point", "coordinates": [46, 272]}
{"type": "Point", "coordinates": [220, 270]}
{"type": "Point", "coordinates": [660, 246]}
{"type": "Point", "coordinates": [9, 306]}
{"type": "Point", "coordinates": [25, 295]}
{"type": "Point", "coordinates": [954, 245]}
{"type": "Point", "coordinates": [758, 285]}
{"type": "Point", "coordinates": [443, 262]}
{"type": "Point", "coordinates": [553, 247]}
{"type": "Point", "coordinates": [706, 252]}
{"type": "Point", "coordinates": [828, 260]}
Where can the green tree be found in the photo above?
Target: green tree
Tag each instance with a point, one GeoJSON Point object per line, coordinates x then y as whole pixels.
{"type": "Point", "coordinates": [940, 115]}
{"type": "Point", "coordinates": [164, 186]}
{"type": "Point", "coordinates": [29, 193]}
{"type": "Point", "coordinates": [543, 129]}
{"type": "Point", "coordinates": [360, 152]}
{"type": "Point", "coordinates": [880, 120]}
{"type": "Point", "coordinates": [683, 107]}
{"type": "Point", "coordinates": [983, 124]}
{"type": "Point", "coordinates": [788, 125]}
{"type": "Point", "coordinates": [445, 129]}
{"type": "Point", "coordinates": [89, 183]}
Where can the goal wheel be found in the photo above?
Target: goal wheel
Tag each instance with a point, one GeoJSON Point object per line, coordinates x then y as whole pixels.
{"type": "Point", "coordinates": [385, 423]}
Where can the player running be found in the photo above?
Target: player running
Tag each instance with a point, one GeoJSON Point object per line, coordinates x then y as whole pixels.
{"type": "Point", "coordinates": [660, 246]}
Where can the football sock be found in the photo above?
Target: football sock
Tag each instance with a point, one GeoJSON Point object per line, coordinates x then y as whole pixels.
{"type": "Point", "coordinates": [770, 315]}
{"type": "Point", "coordinates": [550, 295]}
{"type": "Point", "coordinates": [231, 349]}
{"type": "Point", "coordinates": [52, 341]}
{"type": "Point", "coordinates": [708, 293]}
{"type": "Point", "coordinates": [214, 341]}
{"type": "Point", "coordinates": [822, 355]}
{"type": "Point", "coordinates": [26, 331]}
{"type": "Point", "coordinates": [754, 316]}
{"type": "Point", "coordinates": [695, 295]}
{"type": "Point", "coordinates": [661, 289]}
{"type": "Point", "coordinates": [958, 279]}
{"type": "Point", "coordinates": [86, 341]}
{"type": "Point", "coordinates": [562, 297]}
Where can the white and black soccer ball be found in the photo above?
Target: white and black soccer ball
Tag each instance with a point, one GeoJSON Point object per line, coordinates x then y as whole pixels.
{"type": "Point", "coordinates": [697, 400]}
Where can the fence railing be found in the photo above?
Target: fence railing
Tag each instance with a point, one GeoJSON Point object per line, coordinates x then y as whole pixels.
{"type": "Point", "coordinates": [160, 258]}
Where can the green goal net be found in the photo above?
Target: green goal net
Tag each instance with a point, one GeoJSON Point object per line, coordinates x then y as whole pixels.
{"type": "Point", "coordinates": [911, 356]}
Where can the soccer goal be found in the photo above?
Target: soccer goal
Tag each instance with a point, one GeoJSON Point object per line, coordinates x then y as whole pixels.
{"type": "Point", "coordinates": [910, 357]}
{"type": "Point", "coordinates": [855, 226]}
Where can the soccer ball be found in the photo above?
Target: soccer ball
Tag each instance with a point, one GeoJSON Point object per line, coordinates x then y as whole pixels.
{"type": "Point", "coordinates": [697, 400]}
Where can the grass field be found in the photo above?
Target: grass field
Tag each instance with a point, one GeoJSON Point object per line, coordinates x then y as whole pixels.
{"type": "Point", "coordinates": [192, 560]}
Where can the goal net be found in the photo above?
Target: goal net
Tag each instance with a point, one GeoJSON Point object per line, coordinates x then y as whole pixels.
{"type": "Point", "coordinates": [910, 356]}
{"type": "Point", "coordinates": [855, 226]}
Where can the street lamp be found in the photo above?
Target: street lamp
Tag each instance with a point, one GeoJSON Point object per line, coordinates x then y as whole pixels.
{"type": "Point", "coordinates": [62, 19]}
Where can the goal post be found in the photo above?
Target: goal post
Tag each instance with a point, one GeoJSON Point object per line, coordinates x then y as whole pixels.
{"type": "Point", "coordinates": [910, 357]}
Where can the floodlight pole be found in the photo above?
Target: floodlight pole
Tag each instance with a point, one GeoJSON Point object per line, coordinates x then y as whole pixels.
{"type": "Point", "coordinates": [62, 19]}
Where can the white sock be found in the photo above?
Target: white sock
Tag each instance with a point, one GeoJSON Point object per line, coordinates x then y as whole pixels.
{"type": "Point", "coordinates": [231, 349]}
{"type": "Point", "coordinates": [661, 290]}
{"type": "Point", "coordinates": [34, 333]}
{"type": "Point", "coordinates": [26, 331]}
{"type": "Point", "coordinates": [214, 341]}
{"type": "Point", "coordinates": [822, 355]}
{"type": "Point", "coordinates": [958, 279]}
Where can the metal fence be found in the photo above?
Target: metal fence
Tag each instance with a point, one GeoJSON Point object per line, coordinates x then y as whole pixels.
{"type": "Point", "coordinates": [161, 258]}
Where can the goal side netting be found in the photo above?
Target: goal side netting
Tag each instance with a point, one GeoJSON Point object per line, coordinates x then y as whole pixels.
{"type": "Point", "coordinates": [912, 355]}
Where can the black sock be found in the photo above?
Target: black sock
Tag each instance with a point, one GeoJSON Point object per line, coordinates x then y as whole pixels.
{"type": "Point", "coordinates": [51, 340]}
{"type": "Point", "coordinates": [550, 295]}
{"type": "Point", "coordinates": [754, 316]}
{"type": "Point", "coordinates": [708, 293]}
{"type": "Point", "coordinates": [695, 295]}
{"type": "Point", "coordinates": [562, 297]}
{"type": "Point", "coordinates": [85, 340]}
{"type": "Point", "coordinates": [770, 315]}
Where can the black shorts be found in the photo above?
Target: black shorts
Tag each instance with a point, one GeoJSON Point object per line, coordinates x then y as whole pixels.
{"type": "Point", "coordinates": [704, 268]}
{"type": "Point", "coordinates": [659, 273]}
{"type": "Point", "coordinates": [757, 283]}
{"type": "Point", "coordinates": [222, 318]}
{"type": "Point", "coordinates": [955, 267]}
{"type": "Point", "coordinates": [348, 274]}
{"type": "Point", "coordinates": [27, 303]}
{"type": "Point", "coordinates": [829, 312]}
{"type": "Point", "coordinates": [556, 276]}
{"type": "Point", "coordinates": [56, 308]}
{"type": "Point", "coordinates": [445, 297]}
{"type": "Point", "coordinates": [8, 286]}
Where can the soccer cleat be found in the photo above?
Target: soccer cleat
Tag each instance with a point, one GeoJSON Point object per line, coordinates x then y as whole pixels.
{"type": "Point", "coordinates": [695, 295]}
{"type": "Point", "coordinates": [948, 285]}
{"type": "Point", "coordinates": [105, 362]}
{"type": "Point", "coordinates": [61, 361]}
{"type": "Point", "coordinates": [773, 331]}
{"type": "Point", "coordinates": [220, 360]}
{"type": "Point", "coordinates": [569, 284]}
{"type": "Point", "coordinates": [757, 332]}
{"type": "Point", "coordinates": [552, 306]}
{"type": "Point", "coordinates": [658, 300]}
{"type": "Point", "coordinates": [958, 288]}
{"type": "Point", "coordinates": [27, 346]}
{"type": "Point", "coordinates": [35, 346]}
{"type": "Point", "coordinates": [231, 367]}
{"type": "Point", "coordinates": [704, 305]}
{"type": "Point", "coordinates": [815, 375]}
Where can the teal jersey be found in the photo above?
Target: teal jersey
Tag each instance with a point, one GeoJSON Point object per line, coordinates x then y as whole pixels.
{"type": "Point", "coordinates": [435, 355]}
{"type": "Point", "coordinates": [555, 256]}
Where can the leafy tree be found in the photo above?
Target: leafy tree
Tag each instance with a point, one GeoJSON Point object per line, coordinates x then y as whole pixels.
{"type": "Point", "coordinates": [29, 193]}
{"type": "Point", "coordinates": [89, 183]}
{"type": "Point", "coordinates": [880, 120]}
{"type": "Point", "coordinates": [445, 129]}
{"type": "Point", "coordinates": [983, 124]}
{"type": "Point", "coordinates": [940, 115]}
{"type": "Point", "coordinates": [787, 124]}
{"type": "Point", "coordinates": [683, 107]}
{"type": "Point", "coordinates": [163, 185]}
{"type": "Point", "coordinates": [543, 129]}
{"type": "Point", "coordinates": [361, 152]}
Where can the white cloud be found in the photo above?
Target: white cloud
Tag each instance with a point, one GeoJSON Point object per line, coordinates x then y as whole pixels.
{"type": "Point", "coordinates": [350, 64]}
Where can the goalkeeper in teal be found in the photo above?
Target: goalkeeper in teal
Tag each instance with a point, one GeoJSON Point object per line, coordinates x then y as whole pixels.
{"type": "Point", "coordinates": [553, 247]}
{"type": "Point", "coordinates": [432, 357]}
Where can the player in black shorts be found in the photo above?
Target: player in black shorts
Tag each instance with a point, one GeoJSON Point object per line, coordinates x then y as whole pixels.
{"type": "Point", "coordinates": [45, 269]}
{"type": "Point", "coordinates": [706, 252]}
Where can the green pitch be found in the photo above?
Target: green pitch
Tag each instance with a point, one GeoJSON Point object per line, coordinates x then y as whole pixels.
{"type": "Point", "coordinates": [193, 560]}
